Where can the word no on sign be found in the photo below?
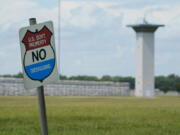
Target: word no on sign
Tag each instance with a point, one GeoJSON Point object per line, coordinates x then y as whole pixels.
{"type": "Point", "coordinates": [38, 54]}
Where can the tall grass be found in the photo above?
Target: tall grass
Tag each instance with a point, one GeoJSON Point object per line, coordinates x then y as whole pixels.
{"type": "Point", "coordinates": [92, 116]}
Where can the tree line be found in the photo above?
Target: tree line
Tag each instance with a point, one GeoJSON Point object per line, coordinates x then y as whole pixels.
{"type": "Point", "coordinates": [164, 83]}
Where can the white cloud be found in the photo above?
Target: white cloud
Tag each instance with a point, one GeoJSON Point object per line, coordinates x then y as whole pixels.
{"type": "Point", "coordinates": [13, 11]}
{"type": "Point", "coordinates": [166, 14]}
{"type": "Point", "coordinates": [81, 14]}
{"type": "Point", "coordinates": [15, 14]}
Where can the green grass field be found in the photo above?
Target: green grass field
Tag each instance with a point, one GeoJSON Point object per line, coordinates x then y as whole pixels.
{"type": "Point", "coordinates": [92, 116]}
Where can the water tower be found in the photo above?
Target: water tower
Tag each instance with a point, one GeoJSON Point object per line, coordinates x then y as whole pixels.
{"type": "Point", "coordinates": [144, 84]}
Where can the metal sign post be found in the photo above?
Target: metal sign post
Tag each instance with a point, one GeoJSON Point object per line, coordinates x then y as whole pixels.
{"type": "Point", "coordinates": [42, 110]}
{"type": "Point", "coordinates": [41, 100]}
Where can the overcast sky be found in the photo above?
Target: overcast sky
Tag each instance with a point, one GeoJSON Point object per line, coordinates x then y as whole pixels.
{"type": "Point", "coordinates": [94, 38]}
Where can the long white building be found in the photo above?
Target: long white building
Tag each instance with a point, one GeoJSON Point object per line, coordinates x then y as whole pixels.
{"type": "Point", "coordinates": [15, 87]}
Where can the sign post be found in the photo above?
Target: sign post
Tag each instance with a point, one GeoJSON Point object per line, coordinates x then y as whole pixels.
{"type": "Point", "coordinates": [42, 110]}
{"type": "Point", "coordinates": [39, 61]}
{"type": "Point", "coordinates": [41, 100]}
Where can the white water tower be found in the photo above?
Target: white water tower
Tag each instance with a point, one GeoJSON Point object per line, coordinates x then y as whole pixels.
{"type": "Point", "coordinates": [145, 84]}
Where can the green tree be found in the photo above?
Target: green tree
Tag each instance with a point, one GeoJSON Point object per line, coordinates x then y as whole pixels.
{"type": "Point", "coordinates": [63, 77]}
{"type": "Point", "coordinates": [84, 78]}
{"type": "Point", "coordinates": [177, 87]}
{"type": "Point", "coordinates": [106, 78]}
{"type": "Point", "coordinates": [19, 75]}
{"type": "Point", "coordinates": [7, 75]}
{"type": "Point", "coordinates": [165, 89]}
